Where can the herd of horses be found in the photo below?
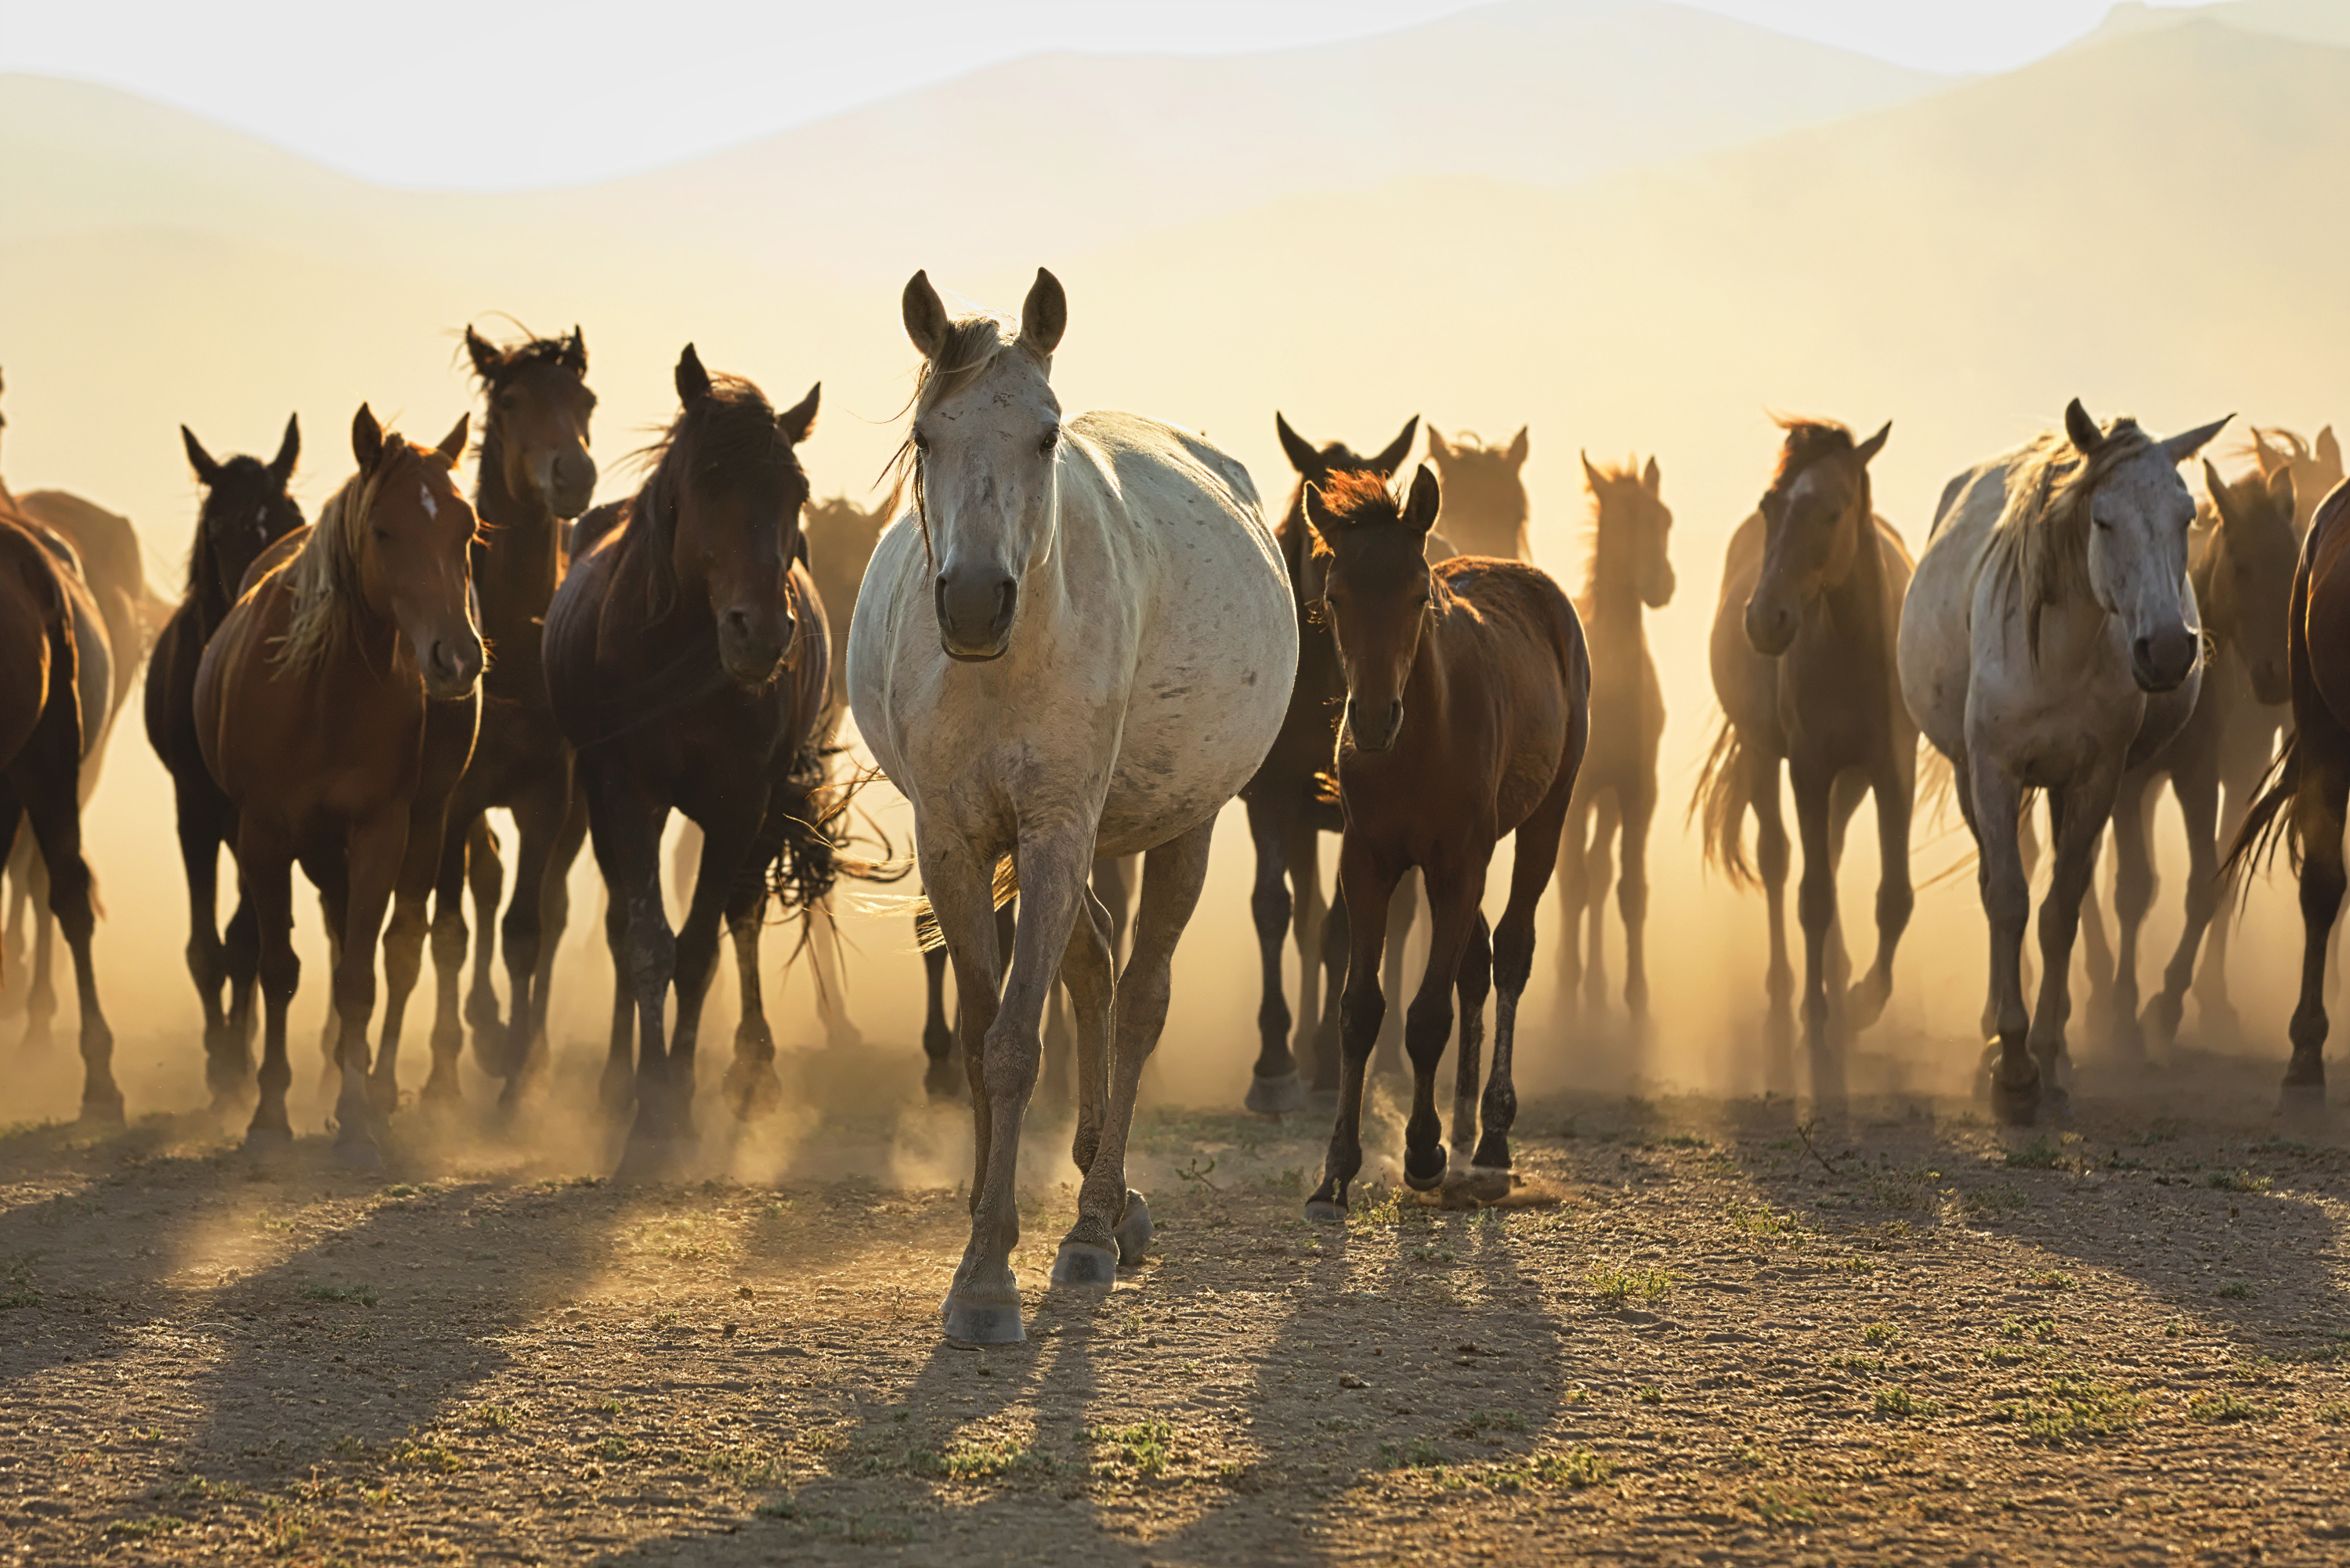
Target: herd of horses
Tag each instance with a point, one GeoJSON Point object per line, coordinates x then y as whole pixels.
{"type": "Point", "coordinates": [1076, 641]}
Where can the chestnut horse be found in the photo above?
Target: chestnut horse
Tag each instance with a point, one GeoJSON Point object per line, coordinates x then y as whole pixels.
{"type": "Point", "coordinates": [1468, 710]}
{"type": "Point", "coordinates": [337, 705]}
{"type": "Point", "coordinates": [1631, 568]}
{"type": "Point", "coordinates": [689, 667]}
{"type": "Point", "coordinates": [41, 749]}
{"type": "Point", "coordinates": [246, 509]}
{"type": "Point", "coordinates": [1803, 663]}
{"type": "Point", "coordinates": [536, 473]}
{"type": "Point", "coordinates": [2310, 787]}
{"type": "Point", "coordinates": [1289, 809]}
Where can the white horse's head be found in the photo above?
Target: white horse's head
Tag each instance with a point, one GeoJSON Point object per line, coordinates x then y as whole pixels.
{"type": "Point", "coordinates": [2138, 515]}
{"type": "Point", "coordinates": [986, 442]}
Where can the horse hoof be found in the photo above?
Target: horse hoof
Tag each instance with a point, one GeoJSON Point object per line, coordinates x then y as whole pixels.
{"type": "Point", "coordinates": [651, 1157]}
{"type": "Point", "coordinates": [751, 1090]}
{"type": "Point", "coordinates": [967, 1320]}
{"type": "Point", "coordinates": [2015, 1105]}
{"type": "Point", "coordinates": [1323, 1210]}
{"type": "Point", "coordinates": [1277, 1096]}
{"type": "Point", "coordinates": [2160, 1021]}
{"type": "Point", "coordinates": [943, 1083]}
{"type": "Point", "coordinates": [1079, 1264]}
{"type": "Point", "coordinates": [1493, 1156]}
{"type": "Point", "coordinates": [1486, 1183]}
{"type": "Point", "coordinates": [1424, 1172]}
{"type": "Point", "coordinates": [103, 1110]}
{"type": "Point", "coordinates": [1133, 1228]}
{"type": "Point", "coordinates": [263, 1142]}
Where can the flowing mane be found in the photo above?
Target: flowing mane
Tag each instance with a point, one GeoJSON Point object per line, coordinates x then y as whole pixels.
{"type": "Point", "coordinates": [323, 576]}
{"type": "Point", "coordinates": [728, 435]}
{"type": "Point", "coordinates": [1627, 474]}
{"type": "Point", "coordinates": [2041, 537]}
{"type": "Point", "coordinates": [1359, 502]}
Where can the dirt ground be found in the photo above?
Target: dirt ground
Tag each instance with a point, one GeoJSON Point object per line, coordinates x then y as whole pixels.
{"type": "Point", "coordinates": [1737, 1333]}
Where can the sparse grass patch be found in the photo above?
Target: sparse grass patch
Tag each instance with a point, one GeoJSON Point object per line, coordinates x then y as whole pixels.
{"type": "Point", "coordinates": [413, 1455]}
{"type": "Point", "coordinates": [745, 1466]}
{"type": "Point", "coordinates": [1144, 1446]}
{"type": "Point", "coordinates": [2333, 1413]}
{"type": "Point", "coordinates": [1853, 1361]}
{"type": "Point", "coordinates": [2235, 1290]}
{"type": "Point", "coordinates": [2073, 1410]}
{"type": "Point", "coordinates": [363, 1294]}
{"type": "Point", "coordinates": [2236, 1181]}
{"type": "Point", "coordinates": [1495, 1421]}
{"type": "Point", "coordinates": [1617, 1285]}
{"type": "Point", "coordinates": [2223, 1407]}
{"type": "Point", "coordinates": [1575, 1470]}
{"type": "Point", "coordinates": [1762, 1222]}
{"type": "Point", "coordinates": [499, 1417]}
{"type": "Point", "coordinates": [154, 1524]}
{"type": "Point", "coordinates": [1787, 1505]}
{"type": "Point", "coordinates": [1420, 1454]}
{"type": "Point", "coordinates": [1879, 1333]}
{"type": "Point", "coordinates": [612, 1448]}
{"type": "Point", "coordinates": [2053, 1279]}
{"type": "Point", "coordinates": [1896, 1401]}
{"type": "Point", "coordinates": [1383, 1212]}
{"type": "Point", "coordinates": [1650, 1394]}
{"type": "Point", "coordinates": [2038, 1155]}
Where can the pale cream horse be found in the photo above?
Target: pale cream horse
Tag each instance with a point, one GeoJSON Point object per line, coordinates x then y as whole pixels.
{"type": "Point", "coordinates": [2049, 641]}
{"type": "Point", "coordinates": [1079, 643]}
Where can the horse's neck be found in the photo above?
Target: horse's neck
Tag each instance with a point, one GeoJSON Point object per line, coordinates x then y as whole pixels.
{"type": "Point", "coordinates": [2215, 597]}
{"type": "Point", "coordinates": [516, 570]}
{"type": "Point", "coordinates": [1610, 601]}
{"type": "Point", "coordinates": [1855, 603]}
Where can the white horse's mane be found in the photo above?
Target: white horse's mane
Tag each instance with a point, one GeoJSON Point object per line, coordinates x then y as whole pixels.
{"type": "Point", "coordinates": [2041, 537]}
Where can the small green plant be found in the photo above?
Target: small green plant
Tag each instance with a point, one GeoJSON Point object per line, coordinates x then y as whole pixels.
{"type": "Point", "coordinates": [1496, 1421]}
{"type": "Point", "coordinates": [414, 1455]}
{"type": "Point", "coordinates": [2236, 1181]}
{"type": "Point", "coordinates": [2333, 1413]}
{"type": "Point", "coordinates": [2162, 1129]}
{"type": "Point", "coordinates": [2223, 1407]}
{"type": "Point", "coordinates": [1786, 1505]}
{"type": "Point", "coordinates": [1143, 1447]}
{"type": "Point", "coordinates": [1898, 1402]}
{"type": "Point", "coordinates": [1617, 1285]}
{"type": "Point", "coordinates": [363, 1294]}
{"type": "Point", "coordinates": [349, 1448]}
{"type": "Point", "coordinates": [2038, 1155]}
{"type": "Point", "coordinates": [145, 1529]}
{"type": "Point", "coordinates": [500, 1417]}
{"type": "Point", "coordinates": [2235, 1290]}
{"type": "Point", "coordinates": [612, 1448]}
{"type": "Point", "coordinates": [1853, 1361]}
{"type": "Point", "coordinates": [2073, 1410]}
{"type": "Point", "coordinates": [1879, 1333]}
{"type": "Point", "coordinates": [2053, 1279]}
{"type": "Point", "coordinates": [1576, 1468]}
{"type": "Point", "coordinates": [976, 1459]}
{"type": "Point", "coordinates": [1420, 1454]}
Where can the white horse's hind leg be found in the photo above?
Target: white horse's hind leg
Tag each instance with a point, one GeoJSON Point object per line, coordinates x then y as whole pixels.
{"type": "Point", "coordinates": [983, 1308]}
{"type": "Point", "coordinates": [2007, 907]}
{"type": "Point", "coordinates": [2135, 884]}
{"type": "Point", "coordinates": [2078, 813]}
{"type": "Point", "coordinates": [1109, 1213]}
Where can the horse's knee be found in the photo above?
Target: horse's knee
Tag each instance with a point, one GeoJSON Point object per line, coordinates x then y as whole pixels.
{"type": "Point", "coordinates": [280, 968]}
{"type": "Point", "coordinates": [1270, 903]}
{"type": "Point", "coordinates": [1893, 903]}
{"type": "Point", "coordinates": [1815, 901]}
{"type": "Point", "coordinates": [1428, 1026]}
{"type": "Point", "coordinates": [1009, 1062]}
{"type": "Point", "coordinates": [652, 954]}
{"type": "Point", "coordinates": [1362, 1009]}
{"type": "Point", "coordinates": [2007, 900]}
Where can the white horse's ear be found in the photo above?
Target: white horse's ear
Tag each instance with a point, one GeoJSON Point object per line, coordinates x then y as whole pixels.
{"type": "Point", "coordinates": [1421, 507]}
{"type": "Point", "coordinates": [2179, 447]}
{"type": "Point", "coordinates": [1296, 448]}
{"type": "Point", "coordinates": [1391, 456]}
{"type": "Point", "coordinates": [1868, 448]}
{"type": "Point", "coordinates": [1044, 314]}
{"type": "Point", "coordinates": [1654, 478]}
{"type": "Point", "coordinates": [926, 315]}
{"type": "Point", "coordinates": [2081, 429]}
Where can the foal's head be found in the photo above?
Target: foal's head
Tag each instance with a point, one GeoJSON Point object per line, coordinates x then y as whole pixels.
{"type": "Point", "coordinates": [725, 503]}
{"type": "Point", "coordinates": [1816, 515]}
{"type": "Point", "coordinates": [401, 543]}
{"type": "Point", "coordinates": [1378, 590]}
{"type": "Point", "coordinates": [1316, 467]}
{"type": "Point", "coordinates": [2251, 593]}
{"type": "Point", "coordinates": [1484, 492]}
{"type": "Point", "coordinates": [1629, 515]}
{"type": "Point", "coordinates": [245, 510]}
{"type": "Point", "coordinates": [537, 426]}
{"type": "Point", "coordinates": [985, 446]}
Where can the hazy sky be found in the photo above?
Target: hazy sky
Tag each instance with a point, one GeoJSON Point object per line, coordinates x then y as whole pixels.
{"type": "Point", "coordinates": [506, 93]}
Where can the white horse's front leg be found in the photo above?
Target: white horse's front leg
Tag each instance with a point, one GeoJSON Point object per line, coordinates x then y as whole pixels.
{"type": "Point", "coordinates": [2079, 811]}
{"type": "Point", "coordinates": [983, 1307]}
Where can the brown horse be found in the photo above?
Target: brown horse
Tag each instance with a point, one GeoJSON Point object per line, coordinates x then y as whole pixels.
{"type": "Point", "coordinates": [336, 706]}
{"type": "Point", "coordinates": [246, 509]}
{"type": "Point", "coordinates": [2242, 572]}
{"type": "Point", "coordinates": [1289, 806]}
{"type": "Point", "coordinates": [1804, 662]}
{"type": "Point", "coordinates": [1467, 693]}
{"type": "Point", "coordinates": [2304, 802]}
{"type": "Point", "coordinates": [1484, 495]}
{"type": "Point", "coordinates": [535, 474]}
{"type": "Point", "coordinates": [1631, 568]}
{"type": "Point", "coordinates": [689, 665]}
{"type": "Point", "coordinates": [41, 748]}
{"type": "Point", "coordinates": [2315, 467]}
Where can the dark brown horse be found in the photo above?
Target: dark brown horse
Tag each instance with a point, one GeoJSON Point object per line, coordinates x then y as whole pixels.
{"type": "Point", "coordinates": [1631, 528]}
{"type": "Point", "coordinates": [2304, 802]}
{"type": "Point", "coordinates": [689, 664]}
{"type": "Point", "coordinates": [2242, 572]}
{"type": "Point", "coordinates": [1289, 808]}
{"type": "Point", "coordinates": [2315, 467]}
{"type": "Point", "coordinates": [246, 509]}
{"type": "Point", "coordinates": [1484, 493]}
{"type": "Point", "coordinates": [1804, 662]}
{"type": "Point", "coordinates": [534, 473]}
{"type": "Point", "coordinates": [337, 705]}
{"type": "Point", "coordinates": [1467, 708]}
{"type": "Point", "coordinates": [41, 749]}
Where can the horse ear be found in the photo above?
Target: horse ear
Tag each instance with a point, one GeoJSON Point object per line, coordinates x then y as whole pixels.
{"type": "Point", "coordinates": [2329, 451]}
{"type": "Point", "coordinates": [207, 471]}
{"type": "Point", "coordinates": [2263, 454]}
{"type": "Point", "coordinates": [484, 355]}
{"type": "Point", "coordinates": [1319, 517]}
{"type": "Point", "coordinates": [1590, 474]}
{"type": "Point", "coordinates": [1868, 448]}
{"type": "Point", "coordinates": [289, 449]}
{"type": "Point", "coordinates": [692, 380]}
{"type": "Point", "coordinates": [1654, 478]}
{"type": "Point", "coordinates": [1421, 507]}
{"type": "Point", "coordinates": [926, 315]}
{"type": "Point", "coordinates": [1391, 456]}
{"type": "Point", "coordinates": [800, 418]}
{"type": "Point", "coordinates": [1044, 314]}
{"type": "Point", "coordinates": [1517, 453]}
{"type": "Point", "coordinates": [574, 356]}
{"type": "Point", "coordinates": [452, 445]}
{"type": "Point", "coordinates": [1298, 449]}
{"type": "Point", "coordinates": [2181, 447]}
{"type": "Point", "coordinates": [1436, 447]}
{"type": "Point", "coordinates": [2218, 488]}
{"type": "Point", "coordinates": [367, 439]}
{"type": "Point", "coordinates": [2081, 429]}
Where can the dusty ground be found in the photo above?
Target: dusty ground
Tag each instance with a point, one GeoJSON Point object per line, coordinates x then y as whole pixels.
{"type": "Point", "coordinates": [1744, 1334]}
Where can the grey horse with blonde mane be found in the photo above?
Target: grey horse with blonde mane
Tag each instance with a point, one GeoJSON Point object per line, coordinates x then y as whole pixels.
{"type": "Point", "coordinates": [2050, 641]}
{"type": "Point", "coordinates": [1080, 642]}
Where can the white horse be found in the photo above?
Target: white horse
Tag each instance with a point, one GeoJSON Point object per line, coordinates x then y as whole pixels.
{"type": "Point", "coordinates": [1080, 642]}
{"type": "Point", "coordinates": [2049, 641]}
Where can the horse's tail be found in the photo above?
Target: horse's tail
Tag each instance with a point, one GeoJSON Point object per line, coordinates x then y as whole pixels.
{"type": "Point", "coordinates": [927, 934]}
{"type": "Point", "coordinates": [2269, 818]}
{"type": "Point", "coordinates": [1937, 783]}
{"type": "Point", "coordinates": [1721, 801]}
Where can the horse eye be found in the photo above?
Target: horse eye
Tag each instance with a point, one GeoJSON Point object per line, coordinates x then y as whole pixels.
{"type": "Point", "coordinates": [1051, 438]}
{"type": "Point", "coordinates": [921, 442]}
{"type": "Point", "coordinates": [383, 536]}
